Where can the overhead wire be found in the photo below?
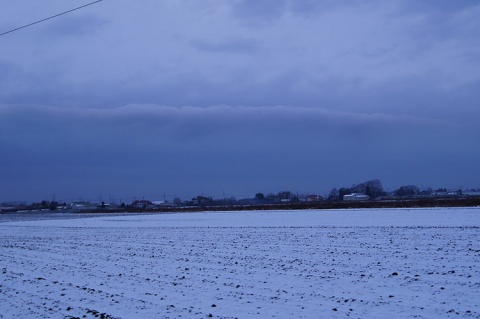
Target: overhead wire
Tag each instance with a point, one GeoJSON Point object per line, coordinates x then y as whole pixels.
{"type": "Point", "coordinates": [54, 16]}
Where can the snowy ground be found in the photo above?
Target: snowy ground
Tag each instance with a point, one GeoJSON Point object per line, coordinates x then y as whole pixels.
{"type": "Point", "coordinates": [398, 263]}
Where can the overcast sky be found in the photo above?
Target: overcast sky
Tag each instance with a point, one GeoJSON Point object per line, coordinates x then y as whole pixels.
{"type": "Point", "coordinates": [126, 99]}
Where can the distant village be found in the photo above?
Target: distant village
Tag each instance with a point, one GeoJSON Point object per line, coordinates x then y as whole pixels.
{"type": "Point", "coordinates": [370, 193]}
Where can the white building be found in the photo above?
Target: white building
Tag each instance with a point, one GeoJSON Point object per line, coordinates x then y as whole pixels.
{"type": "Point", "coordinates": [355, 197]}
{"type": "Point", "coordinates": [82, 206]}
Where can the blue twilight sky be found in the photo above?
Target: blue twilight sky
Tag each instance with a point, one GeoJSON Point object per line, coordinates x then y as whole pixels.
{"type": "Point", "coordinates": [186, 97]}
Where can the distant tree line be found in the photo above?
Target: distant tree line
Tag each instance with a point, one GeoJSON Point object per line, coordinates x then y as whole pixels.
{"type": "Point", "coordinates": [372, 188]}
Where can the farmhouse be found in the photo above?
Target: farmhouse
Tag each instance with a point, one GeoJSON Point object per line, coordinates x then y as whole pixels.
{"type": "Point", "coordinates": [161, 203]}
{"type": "Point", "coordinates": [355, 197]}
{"type": "Point", "coordinates": [142, 204]}
{"type": "Point", "coordinates": [82, 206]}
{"type": "Point", "coordinates": [314, 198]}
{"type": "Point", "coordinates": [201, 200]}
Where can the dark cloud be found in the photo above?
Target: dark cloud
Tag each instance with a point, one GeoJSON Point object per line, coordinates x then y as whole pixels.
{"type": "Point", "coordinates": [188, 149]}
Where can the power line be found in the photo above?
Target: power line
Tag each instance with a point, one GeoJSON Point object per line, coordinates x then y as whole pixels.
{"type": "Point", "coordinates": [28, 25]}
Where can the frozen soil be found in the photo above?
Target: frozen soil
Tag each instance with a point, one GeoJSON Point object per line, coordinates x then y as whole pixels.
{"type": "Point", "coordinates": [303, 264]}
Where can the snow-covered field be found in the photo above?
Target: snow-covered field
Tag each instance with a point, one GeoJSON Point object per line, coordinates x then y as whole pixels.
{"type": "Point", "coordinates": [397, 263]}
